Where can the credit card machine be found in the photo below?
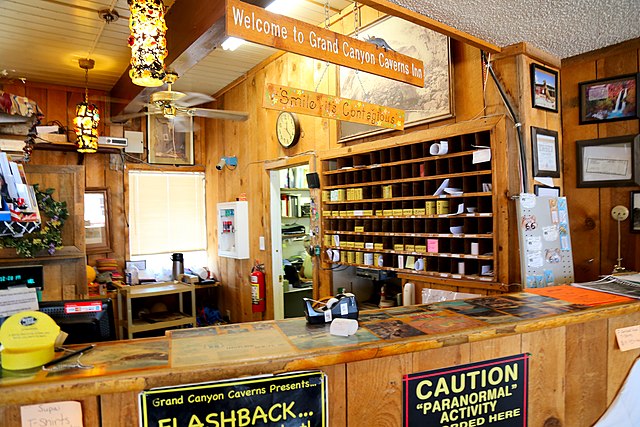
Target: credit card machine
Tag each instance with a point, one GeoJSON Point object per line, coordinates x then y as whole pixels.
{"type": "Point", "coordinates": [342, 305]}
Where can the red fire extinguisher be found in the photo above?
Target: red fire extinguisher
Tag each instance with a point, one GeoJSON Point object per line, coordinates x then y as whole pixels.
{"type": "Point", "coordinates": [258, 290]}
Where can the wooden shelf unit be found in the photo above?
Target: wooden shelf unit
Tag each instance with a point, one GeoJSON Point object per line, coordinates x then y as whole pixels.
{"type": "Point", "coordinates": [379, 207]}
{"type": "Point", "coordinates": [126, 295]}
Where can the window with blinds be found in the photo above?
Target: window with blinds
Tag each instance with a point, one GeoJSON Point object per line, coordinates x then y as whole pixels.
{"type": "Point", "coordinates": [166, 212]}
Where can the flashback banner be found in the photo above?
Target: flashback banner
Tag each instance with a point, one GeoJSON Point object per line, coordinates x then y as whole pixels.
{"type": "Point", "coordinates": [489, 393]}
{"type": "Point", "coordinates": [292, 399]}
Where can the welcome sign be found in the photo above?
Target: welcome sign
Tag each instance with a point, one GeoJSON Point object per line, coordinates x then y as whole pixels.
{"type": "Point", "coordinates": [285, 98]}
{"type": "Point", "coordinates": [293, 399]}
{"type": "Point", "coordinates": [257, 25]}
{"type": "Point", "coordinates": [489, 393]}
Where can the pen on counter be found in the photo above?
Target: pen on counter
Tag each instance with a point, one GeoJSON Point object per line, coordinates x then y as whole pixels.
{"type": "Point", "coordinates": [68, 356]}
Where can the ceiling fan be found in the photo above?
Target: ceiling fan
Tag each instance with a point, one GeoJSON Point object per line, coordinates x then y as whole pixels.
{"type": "Point", "coordinates": [173, 104]}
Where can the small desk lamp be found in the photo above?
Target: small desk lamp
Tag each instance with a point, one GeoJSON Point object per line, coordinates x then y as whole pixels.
{"type": "Point", "coordinates": [619, 213]}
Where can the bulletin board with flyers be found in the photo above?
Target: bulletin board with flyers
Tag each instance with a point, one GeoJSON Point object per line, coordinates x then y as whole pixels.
{"type": "Point", "coordinates": [546, 258]}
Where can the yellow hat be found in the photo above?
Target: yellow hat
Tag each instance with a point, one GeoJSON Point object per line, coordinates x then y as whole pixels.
{"type": "Point", "coordinates": [28, 340]}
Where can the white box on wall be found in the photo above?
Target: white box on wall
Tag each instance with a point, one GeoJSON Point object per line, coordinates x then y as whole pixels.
{"type": "Point", "coordinates": [233, 229]}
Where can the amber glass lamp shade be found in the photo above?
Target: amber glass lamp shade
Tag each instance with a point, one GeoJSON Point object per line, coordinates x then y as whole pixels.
{"type": "Point", "coordinates": [147, 41]}
{"type": "Point", "coordinates": [86, 127]}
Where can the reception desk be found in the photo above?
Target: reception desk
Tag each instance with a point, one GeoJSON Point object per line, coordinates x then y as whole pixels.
{"type": "Point", "coordinates": [575, 365]}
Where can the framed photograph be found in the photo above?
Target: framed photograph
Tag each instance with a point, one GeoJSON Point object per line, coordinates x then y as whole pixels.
{"type": "Point", "coordinates": [608, 162]}
{"type": "Point", "coordinates": [544, 147]}
{"type": "Point", "coordinates": [635, 211]}
{"type": "Point", "coordinates": [607, 100]}
{"type": "Point", "coordinates": [170, 141]}
{"type": "Point", "coordinates": [432, 102]}
{"type": "Point", "coordinates": [544, 88]}
{"type": "Point", "coordinates": [96, 220]}
{"type": "Point", "coordinates": [543, 190]}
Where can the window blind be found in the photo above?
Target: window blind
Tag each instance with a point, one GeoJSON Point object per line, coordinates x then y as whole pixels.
{"type": "Point", "coordinates": [166, 212]}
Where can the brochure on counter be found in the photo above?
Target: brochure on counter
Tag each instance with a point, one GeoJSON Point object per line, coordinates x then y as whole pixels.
{"type": "Point", "coordinates": [627, 285]}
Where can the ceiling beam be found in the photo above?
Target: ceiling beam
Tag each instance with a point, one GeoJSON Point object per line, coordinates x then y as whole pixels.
{"type": "Point", "coordinates": [389, 8]}
{"type": "Point", "coordinates": [194, 29]}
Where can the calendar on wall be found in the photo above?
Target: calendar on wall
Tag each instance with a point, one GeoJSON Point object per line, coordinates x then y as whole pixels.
{"type": "Point", "coordinates": [546, 257]}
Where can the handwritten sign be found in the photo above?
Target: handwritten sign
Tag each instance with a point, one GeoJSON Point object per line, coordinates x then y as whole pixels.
{"type": "Point", "coordinates": [302, 101]}
{"type": "Point", "coordinates": [292, 399]}
{"type": "Point", "coordinates": [628, 338]}
{"type": "Point", "coordinates": [488, 393]}
{"type": "Point", "coordinates": [68, 414]}
{"type": "Point", "coordinates": [257, 25]}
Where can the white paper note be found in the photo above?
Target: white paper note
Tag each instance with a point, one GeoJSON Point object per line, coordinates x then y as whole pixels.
{"type": "Point", "coordinates": [343, 327]}
{"type": "Point", "coordinates": [481, 156]}
{"type": "Point", "coordinates": [545, 181]}
{"type": "Point", "coordinates": [440, 189]}
{"type": "Point", "coordinates": [68, 414]}
{"type": "Point", "coordinates": [439, 148]}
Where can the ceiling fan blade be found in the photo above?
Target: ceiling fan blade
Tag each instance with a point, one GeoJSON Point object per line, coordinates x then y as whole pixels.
{"type": "Point", "coordinates": [184, 124]}
{"type": "Point", "coordinates": [121, 118]}
{"type": "Point", "coordinates": [194, 98]}
{"type": "Point", "coordinates": [219, 114]}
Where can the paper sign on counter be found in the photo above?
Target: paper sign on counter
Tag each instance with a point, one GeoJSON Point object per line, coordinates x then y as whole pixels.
{"type": "Point", "coordinates": [628, 338]}
{"type": "Point", "coordinates": [19, 299]}
{"type": "Point", "coordinates": [68, 414]}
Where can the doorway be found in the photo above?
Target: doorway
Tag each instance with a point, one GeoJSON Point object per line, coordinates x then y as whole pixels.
{"type": "Point", "coordinates": [290, 231]}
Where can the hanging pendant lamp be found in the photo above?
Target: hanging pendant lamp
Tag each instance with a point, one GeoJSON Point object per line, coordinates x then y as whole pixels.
{"type": "Point", "coordinates": [147, 41]}
{"type": "Point", "coordinates": [87, 116]}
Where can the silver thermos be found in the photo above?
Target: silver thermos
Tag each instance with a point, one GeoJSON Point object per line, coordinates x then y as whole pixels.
{"type": "Point", "coordinates": [178, 266]}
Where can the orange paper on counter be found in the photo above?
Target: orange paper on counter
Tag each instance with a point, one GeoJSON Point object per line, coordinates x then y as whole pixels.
{"type": "Point", "coordinates": [579, 295]}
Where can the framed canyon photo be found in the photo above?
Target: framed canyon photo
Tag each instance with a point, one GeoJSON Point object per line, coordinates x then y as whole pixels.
{"type": "Point", "coordinates": [170, 140]}
{"type": "Point", "coordinates": [544, 88]}
{"type": "Point", "coordinates": [611, 99]}
{"type": "Point", "coordinates": [432, 102]}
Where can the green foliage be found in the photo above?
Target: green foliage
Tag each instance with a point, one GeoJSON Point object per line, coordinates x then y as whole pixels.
{"type": "Point", "coordinates": [48, 235]}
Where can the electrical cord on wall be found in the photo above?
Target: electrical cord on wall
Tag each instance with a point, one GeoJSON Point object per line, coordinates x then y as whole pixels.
{"type": "Point", "coordinates": [518, 125]}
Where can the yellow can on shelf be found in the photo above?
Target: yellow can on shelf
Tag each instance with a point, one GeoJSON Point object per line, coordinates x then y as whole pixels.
{"type": "Point", "coordinates": [442, 207]}
{"type": "Point", "coordinates": [28, 340]}
{"type": "Point", "coordinates": [430, 207]}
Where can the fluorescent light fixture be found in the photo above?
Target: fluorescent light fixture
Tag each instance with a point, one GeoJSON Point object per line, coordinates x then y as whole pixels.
{"type": "Point", "coordinates": [281, 7]}
{"type": "Point", "coordinates": [232, 43]}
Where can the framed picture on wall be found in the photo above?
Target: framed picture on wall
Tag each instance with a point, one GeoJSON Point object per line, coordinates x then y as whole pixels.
{"type": "Point", "coordinates": [607, 100]}
{"type": "Point", "coordinates": [96, 220]}
{"type": "Point", "coordinates": [635, 211]}
{"type": "Point", "coordinates": [543, 190]}
{"type": "Point", "coordinates": [170, 141]}
{"type": "Point", "coordinates": [608, 162]}
{"type": "Point", "coordinates": [544, 88]}
{"type": "Point", "coordinates": [544, 147]}
{"type": "Point", "coordinates": [432, 102]}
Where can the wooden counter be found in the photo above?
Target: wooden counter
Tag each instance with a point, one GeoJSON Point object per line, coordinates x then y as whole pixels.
{"type": "Point", "coordinates": [575, 370]}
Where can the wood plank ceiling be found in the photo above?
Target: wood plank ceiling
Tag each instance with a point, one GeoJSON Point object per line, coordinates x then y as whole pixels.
{"type": "Point", "coordinates": [42, 40]}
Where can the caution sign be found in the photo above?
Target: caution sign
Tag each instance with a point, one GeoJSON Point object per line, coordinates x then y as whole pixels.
{"type": "Point", "coordinates": [293, 400]}
{"type": "Point", "coordinates": [490, 393]}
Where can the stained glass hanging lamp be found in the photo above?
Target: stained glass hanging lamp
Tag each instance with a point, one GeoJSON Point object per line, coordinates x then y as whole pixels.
{"type": "Point", "coordinates": [87, 116]}
{"type": "Point", "coordinates": [147, 41]}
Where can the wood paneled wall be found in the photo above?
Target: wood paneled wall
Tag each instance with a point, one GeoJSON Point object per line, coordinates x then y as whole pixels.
{"type": "Point", "coordinates": [255, 144]}
{"type": "Point", "coordinates": [58, 104]}
{"type": "Point", "coordinates": [593, 230]}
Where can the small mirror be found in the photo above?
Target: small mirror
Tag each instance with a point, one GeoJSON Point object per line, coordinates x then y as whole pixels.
{"type": "Point", "coordinates": [96, 220]}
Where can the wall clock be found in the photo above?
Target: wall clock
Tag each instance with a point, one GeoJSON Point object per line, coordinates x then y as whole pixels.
{"type": "Point", "coordinates": [287, 129]}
